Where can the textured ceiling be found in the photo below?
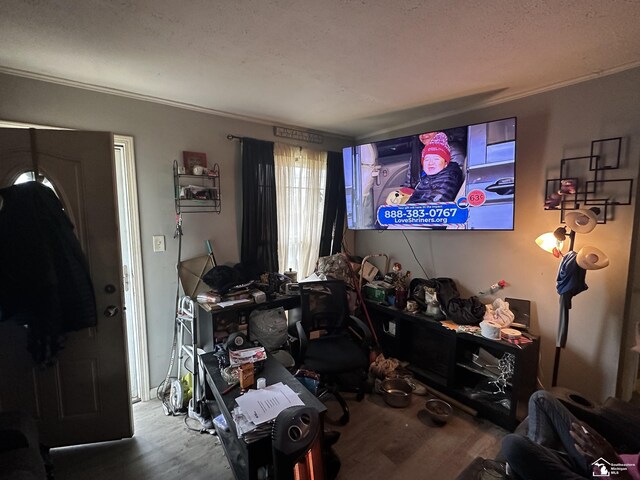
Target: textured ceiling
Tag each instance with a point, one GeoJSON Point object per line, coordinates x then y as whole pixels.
{"type": "Point", "coordinates": [350, 67]}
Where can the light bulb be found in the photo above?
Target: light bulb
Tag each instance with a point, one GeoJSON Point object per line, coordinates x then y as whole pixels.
{"type": "Point", "coordinates": [550, 243]}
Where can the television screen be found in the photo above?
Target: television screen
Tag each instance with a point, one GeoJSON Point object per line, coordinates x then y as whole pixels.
{"type": "Point", "coordinates": [457, 178]}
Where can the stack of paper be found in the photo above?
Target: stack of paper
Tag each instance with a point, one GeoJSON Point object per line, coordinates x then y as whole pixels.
{"type": "Point", "coordinates": [257, 408]}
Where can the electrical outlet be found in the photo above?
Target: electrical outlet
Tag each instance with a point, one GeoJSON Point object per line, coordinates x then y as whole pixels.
{"type": "Point", "coordinates": [391, 329]}
{"type": "Point", "coordinates": [158, 243]}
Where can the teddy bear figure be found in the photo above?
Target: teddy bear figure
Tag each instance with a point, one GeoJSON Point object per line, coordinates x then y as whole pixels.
{"type": "Point", "coordinates": [399, 197]}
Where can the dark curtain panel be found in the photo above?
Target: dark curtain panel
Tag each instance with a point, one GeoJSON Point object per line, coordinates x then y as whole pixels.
{"type": "Point", "coordinates": [334, 206]}
{"type": "Point", "coordinates": [259, 249]}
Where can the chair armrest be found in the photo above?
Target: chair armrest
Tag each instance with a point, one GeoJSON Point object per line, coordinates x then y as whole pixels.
{"type": "Point", "coordinates": [364, 333]}
{"type": "Point", "coordinates": [302, 342]}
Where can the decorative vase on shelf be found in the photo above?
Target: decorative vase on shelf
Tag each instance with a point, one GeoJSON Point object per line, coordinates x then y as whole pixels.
{"type": "Point", "coordinates": [400, 298]}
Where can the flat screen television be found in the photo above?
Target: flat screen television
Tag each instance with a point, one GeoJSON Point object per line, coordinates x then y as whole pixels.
{"type": "Point", "coordinates": [456, 178]}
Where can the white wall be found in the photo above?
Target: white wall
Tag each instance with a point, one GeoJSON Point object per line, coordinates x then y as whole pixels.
{"type": "Point", "coordinates": [160, 133]}
{"type": "Point", "coordinates": [551, 126]}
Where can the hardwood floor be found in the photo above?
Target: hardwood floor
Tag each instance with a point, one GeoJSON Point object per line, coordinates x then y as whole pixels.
{"type": "Point", "coordinates": [379, 442]}
{"type": "Point", "coordinates": [162, 448]}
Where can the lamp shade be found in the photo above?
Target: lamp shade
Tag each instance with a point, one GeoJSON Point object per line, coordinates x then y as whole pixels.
{"type": "Point", "coordinates": [550, 243]}
{"type": "Point", "coordinates": [581, 221]}
{"type": "Point", "coordinates": [591, 258]}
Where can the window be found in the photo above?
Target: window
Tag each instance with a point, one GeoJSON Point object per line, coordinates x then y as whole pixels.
{"type": "Point", "coordinates": [300, 187]}
{"type": "Point", "coordinates": [30, 177]}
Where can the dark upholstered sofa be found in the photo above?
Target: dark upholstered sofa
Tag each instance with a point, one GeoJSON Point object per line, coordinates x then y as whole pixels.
{"type": "Point", "coordinates": [616, 420]}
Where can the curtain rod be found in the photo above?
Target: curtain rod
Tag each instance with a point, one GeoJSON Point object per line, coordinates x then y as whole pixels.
{"type": "Point", "coordinates": [235, 137]}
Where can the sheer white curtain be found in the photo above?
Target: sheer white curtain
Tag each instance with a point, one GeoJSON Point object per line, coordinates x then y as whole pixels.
{"type": "Point", "coordinates": [300, 183]}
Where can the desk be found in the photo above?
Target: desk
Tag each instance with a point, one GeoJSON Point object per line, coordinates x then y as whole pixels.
{"type": "Point", "coordinates": [245, 459]}
{"type": "Point", "coordinates": [207, 320]}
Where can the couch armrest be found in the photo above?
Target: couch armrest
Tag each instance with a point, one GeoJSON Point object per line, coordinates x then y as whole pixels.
{"type": "Point", "coordinates": [631, 413]}
{"type": "Point", "coordinates": [621, 422]}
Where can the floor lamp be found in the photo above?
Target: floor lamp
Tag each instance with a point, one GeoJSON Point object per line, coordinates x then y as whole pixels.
{"type": "Point", "coordinates": [573, 268]}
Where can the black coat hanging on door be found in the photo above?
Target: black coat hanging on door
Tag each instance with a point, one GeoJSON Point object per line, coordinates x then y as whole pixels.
{"type": "Point", "coordinates": [44, 275]}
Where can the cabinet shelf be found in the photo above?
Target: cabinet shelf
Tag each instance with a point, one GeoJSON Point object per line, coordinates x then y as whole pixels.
{"type": "Point", "coordinates": [189, 175]}
{"type": "Point", "coordinates": [196, 193]}
{"type": "Point", "coordinates": [444, 359]}
{"type": "Point", "coordinates": [485, 372]}
{"type": "Point", "coordinates": [498, 405]}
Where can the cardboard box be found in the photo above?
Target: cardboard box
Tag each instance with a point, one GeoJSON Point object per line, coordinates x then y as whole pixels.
{"type": "Point", "coordinates": [246, 375]}
{"type": "Point", "coordinates": [369, 271]}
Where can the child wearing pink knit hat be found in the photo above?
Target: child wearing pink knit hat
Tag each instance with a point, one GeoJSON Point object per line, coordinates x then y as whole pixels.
{"type": "Point", "coordinates": [441, 178]}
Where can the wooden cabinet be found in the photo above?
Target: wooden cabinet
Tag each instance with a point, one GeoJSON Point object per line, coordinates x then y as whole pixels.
{"type": "Point", "coordinates": [465, 366]}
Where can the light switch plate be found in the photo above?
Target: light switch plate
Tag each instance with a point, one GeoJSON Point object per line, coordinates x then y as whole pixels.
{"type": "Point", "coordinates": [158, 243]}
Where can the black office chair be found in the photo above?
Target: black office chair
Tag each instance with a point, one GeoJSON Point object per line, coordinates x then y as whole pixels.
{"type": "Point", "coordinates": [332, 343]}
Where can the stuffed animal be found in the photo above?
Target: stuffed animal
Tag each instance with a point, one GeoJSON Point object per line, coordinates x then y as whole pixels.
{"type": "Point", "coordinates": [431, 299]}
{"type": "Point", "coordinates": [400, 196]}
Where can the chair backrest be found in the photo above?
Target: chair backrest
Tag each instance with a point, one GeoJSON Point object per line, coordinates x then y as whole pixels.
{"type": "Point", "coordinates": [324, 305]}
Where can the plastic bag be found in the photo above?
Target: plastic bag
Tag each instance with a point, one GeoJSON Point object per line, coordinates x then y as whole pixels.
{"type": "Point", "coordinates": [269, 327]}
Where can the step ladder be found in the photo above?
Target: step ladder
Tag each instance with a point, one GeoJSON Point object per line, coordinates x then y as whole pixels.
{"type": "Point", "coordinates": [187, 323]}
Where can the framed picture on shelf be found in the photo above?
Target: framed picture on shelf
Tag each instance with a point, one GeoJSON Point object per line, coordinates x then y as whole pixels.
{"type": "Point", "coordinates": [194, 159]}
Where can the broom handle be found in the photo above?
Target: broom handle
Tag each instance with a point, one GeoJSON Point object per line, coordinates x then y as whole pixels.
{"type": "Point", "coordinates": [364, 306]}
{"type": "Point", "coordinates": [210, 252]}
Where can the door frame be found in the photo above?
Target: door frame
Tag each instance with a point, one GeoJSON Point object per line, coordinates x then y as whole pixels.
{"type": "Point", "coordinates": [127, 191]}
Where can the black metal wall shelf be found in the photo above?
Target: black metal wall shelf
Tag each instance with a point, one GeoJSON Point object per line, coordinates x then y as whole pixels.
{"type": "Point", "coordinates": [197, 193]}
{"type": "Point", "coordinates": [582, 182]}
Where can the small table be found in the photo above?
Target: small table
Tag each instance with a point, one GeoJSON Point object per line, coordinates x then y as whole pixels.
{"type": "Point", "coordinates": [246, 458]}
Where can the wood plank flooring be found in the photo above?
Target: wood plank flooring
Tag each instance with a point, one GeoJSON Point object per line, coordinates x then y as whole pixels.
{"type": "Point", "coordinates": [162, 448]}
{"type": "Point", "coordinates": [379, 442]}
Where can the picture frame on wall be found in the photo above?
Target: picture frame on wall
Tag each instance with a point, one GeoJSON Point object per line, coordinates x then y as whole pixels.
{"type": "Point", "coordinates": [194, 159]}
